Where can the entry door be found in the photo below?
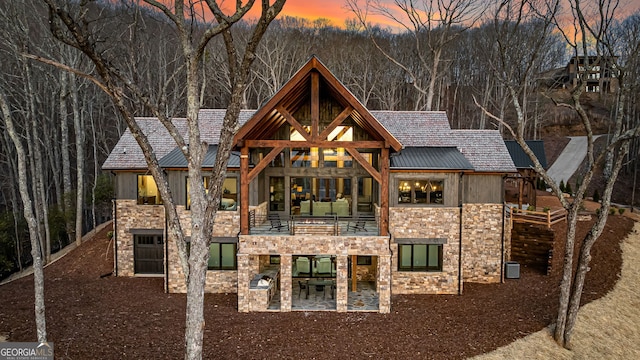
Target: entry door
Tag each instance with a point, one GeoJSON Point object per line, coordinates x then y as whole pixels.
{"type": "Point", "coordinates": [149, 254]}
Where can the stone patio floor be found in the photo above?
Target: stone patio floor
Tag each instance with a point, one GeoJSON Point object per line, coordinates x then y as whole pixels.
{"type": "Point", "coordinates": [364, 299]}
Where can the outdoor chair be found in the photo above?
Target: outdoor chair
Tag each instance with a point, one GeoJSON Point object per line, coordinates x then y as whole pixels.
{"type": "Point", "coordinates": [303, 286]}
{"type": "Point", "coordinates": [357, 224]}
{"type": "Point", "coordinates": [276, 223]}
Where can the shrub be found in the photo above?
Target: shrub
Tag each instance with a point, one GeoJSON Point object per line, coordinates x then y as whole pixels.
{"type": "Point", "coordinates": [596, 196]}
{"type": "Point", "coordinates": [110, 234]}
{"type": "Point", "coordinates": [546, 209]}
{"type": "Point", "coordinates": [612, 211]}
{"type": "Point", "coordinates": [568, 189]}
{"type": "Point", "coordinates": [621, 211]}
{"type": "Point", "coordinates": [598, 211]}
{"type": "Point", "coordinates": [531, 208]}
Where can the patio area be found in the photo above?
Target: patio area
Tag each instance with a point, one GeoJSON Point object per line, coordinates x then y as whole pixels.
{"type": "Point", "coordinates": [364, 299]}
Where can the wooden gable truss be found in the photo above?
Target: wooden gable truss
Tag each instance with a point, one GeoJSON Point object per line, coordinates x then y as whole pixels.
{"type": "Point", "coordinates": [303, 88]}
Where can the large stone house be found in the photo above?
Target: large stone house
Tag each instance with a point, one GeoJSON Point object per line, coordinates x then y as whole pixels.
{"type": "Point", "coordinates": [324, 194]}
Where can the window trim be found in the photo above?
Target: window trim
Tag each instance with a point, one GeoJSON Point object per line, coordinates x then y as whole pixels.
{"type": "Point", "coordinates": [438, 268]}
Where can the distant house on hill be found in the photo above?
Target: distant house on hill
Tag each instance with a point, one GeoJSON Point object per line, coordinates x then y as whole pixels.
{"type": "Point", "coordinates": [600, 72]}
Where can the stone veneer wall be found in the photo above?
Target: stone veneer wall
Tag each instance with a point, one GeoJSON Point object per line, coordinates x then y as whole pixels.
{"type": "Point", "coordinates": [482, 237]}
{"type": "Point", "coordinates": [426, 222]}
{"type": "Point", "coordinates": [218, 281]}
{"type": "Point", "coordinates": [130, 216]}
{"type": "Point", "coordinates": [287, 245]}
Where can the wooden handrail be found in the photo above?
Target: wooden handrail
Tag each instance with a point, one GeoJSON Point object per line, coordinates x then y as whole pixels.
{"type": "Point", "coordinates": [547, 218]}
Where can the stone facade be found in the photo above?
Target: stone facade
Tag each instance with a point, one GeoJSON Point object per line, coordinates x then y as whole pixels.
{"type": "Point", "coordinates": [482, 246]}
{"type": "Point", "coordinates": [482, 242]}
{"type": "Point", "coordinates": [288, 245]}
{"type": "Point", "coordinates": [130, 217]}
{"type": "Point", "coordinates": [426, 222]}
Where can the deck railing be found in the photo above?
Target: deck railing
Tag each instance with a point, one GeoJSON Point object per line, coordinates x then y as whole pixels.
{"type": "Point", "coordinates": [332, 225]}
{"type": "Point", "coordinates": [547, 218]}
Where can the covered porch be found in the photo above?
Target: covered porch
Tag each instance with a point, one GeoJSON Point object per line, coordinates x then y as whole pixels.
{"type": "Point", "coordinates": [295, 285]}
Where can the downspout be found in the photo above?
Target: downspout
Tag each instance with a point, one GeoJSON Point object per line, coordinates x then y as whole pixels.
{"type": "Point", "coordinates": [166, 254]}
{"type": "Point", "coordinates": [115, 235]}
{"type": "Point", "coordinates": [502, 246]}
{"type": "Point", "coordinates": [114, 200]}
{"type": "Point", "coordinates": [460, 236]}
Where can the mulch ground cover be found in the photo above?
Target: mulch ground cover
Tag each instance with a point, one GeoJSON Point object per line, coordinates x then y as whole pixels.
{"type": "Point", "coordinates": [89, 316]}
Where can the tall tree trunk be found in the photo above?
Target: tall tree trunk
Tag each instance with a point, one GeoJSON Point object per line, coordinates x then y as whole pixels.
{"type": "Point", "coordinates": [38, 273]}
{"type": "Point", "coordinates": [78, 124]}
{"type": "Point", "coordinates": [66, 163]}
{"type": "Point", "coordinates": [35, 164]}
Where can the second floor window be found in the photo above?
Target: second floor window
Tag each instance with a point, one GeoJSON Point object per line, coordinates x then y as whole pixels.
{"type": "Point", "coordinates": [420, 191]}
{"type": "Point", "coordinates": [148, 191]}
{"type": "Point", "coordinates": [229, 200]}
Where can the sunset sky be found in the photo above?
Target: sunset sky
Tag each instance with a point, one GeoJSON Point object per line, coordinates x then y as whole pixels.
{"type": "Point", "coordinates": [336, 11]}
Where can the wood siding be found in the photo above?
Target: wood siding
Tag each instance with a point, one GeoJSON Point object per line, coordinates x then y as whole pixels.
{"type": "Point", "coordinates": [482, 189]}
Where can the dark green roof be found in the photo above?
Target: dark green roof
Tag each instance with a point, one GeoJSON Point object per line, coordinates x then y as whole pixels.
{"type": "Point", "coordinates": [520, 159]}
{"type": "Point", "coordinates": [176, 159]}
{"type": "Point", "coordinates": [430, 158]}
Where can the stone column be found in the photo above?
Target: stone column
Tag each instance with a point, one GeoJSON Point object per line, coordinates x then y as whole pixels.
{"type": "Point", "coordinates": [243, 282]}
{"type": "Point", "coordinates": [285, 282]}
{"type": "Point", "coordinates": [383, 285]}
{"type": "Point", "coordinates": [342, 282]}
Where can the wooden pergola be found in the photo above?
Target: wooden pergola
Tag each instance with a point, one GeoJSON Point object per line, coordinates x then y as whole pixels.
{"type": "Point", "coordinates": [308, 86]}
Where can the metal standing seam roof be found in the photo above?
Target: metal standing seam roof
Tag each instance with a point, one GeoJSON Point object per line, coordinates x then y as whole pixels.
{"type": "Point", "coordinates": [431, 158]}
{"type": "Point", "coordinates": [520, 159]}
{"type": "Point", "coordinates": [176, 159]}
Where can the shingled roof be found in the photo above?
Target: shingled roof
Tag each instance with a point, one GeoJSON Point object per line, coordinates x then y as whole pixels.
{"type": "Point", "coordinates": [484, 150]}
{"type": "Point", "coordinates": [128, 155]}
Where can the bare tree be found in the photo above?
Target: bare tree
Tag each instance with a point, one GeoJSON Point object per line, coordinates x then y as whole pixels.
{"type": "Point", "coordinates": [71, 25]}
{"type": "Point", "coordinates": [34, 235]}
{"type": "Point", "coordinates": [432, 25]}
{"type": "Point", "coordinates": [593, 29]}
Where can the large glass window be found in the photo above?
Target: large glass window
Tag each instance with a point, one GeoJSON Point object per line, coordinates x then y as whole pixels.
{"type": "Point", "coordinates": [320, 196]}
{"type": "Point", "coordinates": [420, 191]}
{"type": "Point", "coordinates": [148, 191]}
{"type": "Point", "coordinates": [222, 256]}
{"type": "Point", "coordinates": [420, 257]}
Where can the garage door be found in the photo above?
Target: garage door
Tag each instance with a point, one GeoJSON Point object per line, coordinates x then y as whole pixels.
{"type": "Point", "coordinates": [148, 253]}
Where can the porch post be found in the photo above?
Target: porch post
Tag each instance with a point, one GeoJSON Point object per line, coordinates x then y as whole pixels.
{"type": "Point", "coordinates": [383, 284]}
{"type": "Point", "coordinates": [244, 190]}
{"type": "Point", "coordinates": [243, 282]}
{"type": "Point", "coordinates": [342, 283]}
{"type": "Point", "coordinates": [285, 282]}
{"type": "Point", "coordinates": [384, 192]}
